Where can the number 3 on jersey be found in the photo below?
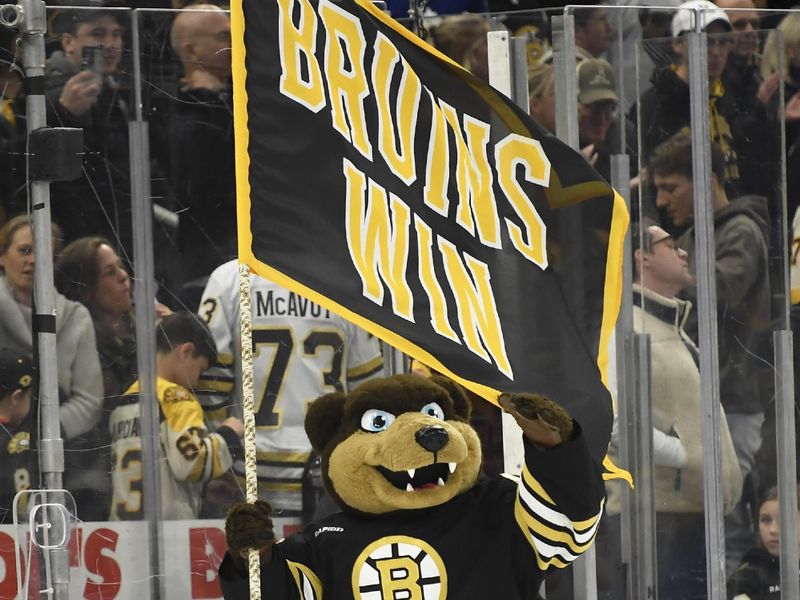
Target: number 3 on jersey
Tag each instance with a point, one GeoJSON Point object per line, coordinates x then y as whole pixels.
{"type": "Point", "coordinates": [281, 343]}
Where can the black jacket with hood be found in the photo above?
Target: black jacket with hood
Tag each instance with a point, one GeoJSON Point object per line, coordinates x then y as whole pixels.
{"type": "Point", "coordinates": [744, 309]}
{"type": "Point", "coordinates": [747, 137]}
{"type": "Point", "coordinates": [99, 202]}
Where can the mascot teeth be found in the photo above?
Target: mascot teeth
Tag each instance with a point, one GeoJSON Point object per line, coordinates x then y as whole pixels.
{"type": "Point", "coordinates": [421, 478]}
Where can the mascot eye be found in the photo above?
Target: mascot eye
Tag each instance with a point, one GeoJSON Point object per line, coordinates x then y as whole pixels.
{"type": "Point", "coordinates": [433, 410]}
{"type": "Point", "coordinates": [375, 420]}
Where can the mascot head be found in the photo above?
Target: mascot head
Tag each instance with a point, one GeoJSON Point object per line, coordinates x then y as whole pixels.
{"type": "Point", "coordinates": [397, 443]}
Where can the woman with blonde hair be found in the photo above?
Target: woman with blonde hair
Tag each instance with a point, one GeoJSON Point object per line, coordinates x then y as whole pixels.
{"type": "Point", "coordinates": [785, 41]}
{"type": "Point", "coordinates": [80, 384]}
{"type": "Point", "coordinates": [789, 30]}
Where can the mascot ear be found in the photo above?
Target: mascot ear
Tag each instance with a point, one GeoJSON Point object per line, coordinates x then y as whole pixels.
{"type": "Point", "coordinates": [323, 419]}
{"type": "Point", "coordinates": [457, 394]}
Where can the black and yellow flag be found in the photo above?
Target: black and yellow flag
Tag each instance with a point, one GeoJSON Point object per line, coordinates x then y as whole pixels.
{"type": "Point", "coordinates": [384, 182]}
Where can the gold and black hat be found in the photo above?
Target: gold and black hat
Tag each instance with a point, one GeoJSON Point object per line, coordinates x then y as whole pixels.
{"type": "Point", "coordinates": [16, 371]}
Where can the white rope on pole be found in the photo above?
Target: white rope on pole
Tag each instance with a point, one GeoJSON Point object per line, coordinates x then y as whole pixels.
{"type": "Point", "coordinates": [248, 406]}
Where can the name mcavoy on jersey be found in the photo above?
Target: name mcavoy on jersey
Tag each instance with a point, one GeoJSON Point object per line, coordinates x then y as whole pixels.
{"type": "Point", "coordinates": [272, 305]}
{"type": "Point", "coordinates": [382, 229]}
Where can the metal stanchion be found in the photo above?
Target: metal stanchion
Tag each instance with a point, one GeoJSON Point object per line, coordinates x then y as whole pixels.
{"type": "Point", "coordinates": [30, 19]}
{"type": "Point", "coordinates": [707, 311]}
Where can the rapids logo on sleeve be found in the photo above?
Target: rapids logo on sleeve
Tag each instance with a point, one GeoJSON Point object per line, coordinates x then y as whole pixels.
{"type": "Point", "coordinates": [385, 183]}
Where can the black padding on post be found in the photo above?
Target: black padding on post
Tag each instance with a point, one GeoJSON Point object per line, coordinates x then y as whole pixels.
{"type": "Point", "coordinates": [34, 86]}
{"type": "Point", "coordinates": [44, 323]}
{"type": "Point", "coordinates": [56, 153]}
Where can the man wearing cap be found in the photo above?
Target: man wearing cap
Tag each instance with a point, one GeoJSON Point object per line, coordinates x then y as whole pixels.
{"type": "Point", "coordinates": [665, 107]}
{"type": "Point", "coordinates": [597, 115]}
{"type": "Point", "coordinates": [17, 463]}
{"type": "Point", "coordinates": [597, 110]}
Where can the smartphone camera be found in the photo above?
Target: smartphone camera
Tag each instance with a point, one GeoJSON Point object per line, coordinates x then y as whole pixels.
{"type": "Point", "coordinates": [92, 60]}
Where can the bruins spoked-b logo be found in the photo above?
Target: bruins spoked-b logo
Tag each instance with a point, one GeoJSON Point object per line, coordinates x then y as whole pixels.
{"type": "Point", "coordinates": [399, 568]}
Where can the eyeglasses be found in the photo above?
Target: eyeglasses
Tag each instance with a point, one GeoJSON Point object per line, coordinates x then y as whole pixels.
{"type": "Point", "coordinates": [669, 242]}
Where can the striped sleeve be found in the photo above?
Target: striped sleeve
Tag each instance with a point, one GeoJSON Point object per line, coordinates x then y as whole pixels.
{"type": "Point", "coordinates": [364, 360]}
{"type": "Point", "coordinates": [219, 309]}
{"type": "Point", "coordinates": [560, 498]}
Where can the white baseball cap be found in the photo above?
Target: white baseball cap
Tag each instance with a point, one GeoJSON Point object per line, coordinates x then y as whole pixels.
{"type": "Point", "coordinates": [708, 12]}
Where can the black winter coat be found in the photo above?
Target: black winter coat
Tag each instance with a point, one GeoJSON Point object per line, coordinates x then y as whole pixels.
{"type": "Point", "coordinates": [758, 577]}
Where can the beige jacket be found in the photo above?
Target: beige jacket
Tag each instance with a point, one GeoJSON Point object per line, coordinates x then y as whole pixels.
{"type": "Point", "coordinates": [676, 409]}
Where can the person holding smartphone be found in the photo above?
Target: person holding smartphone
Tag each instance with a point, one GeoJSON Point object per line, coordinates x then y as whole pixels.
{"type": "Point", "coordinates": [85, 87]}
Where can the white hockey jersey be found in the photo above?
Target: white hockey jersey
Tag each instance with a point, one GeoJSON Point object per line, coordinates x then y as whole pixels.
{"type": "Point", "coordinates": [300, 352]}
{"type": "Point", "coordinates": [190, 455]}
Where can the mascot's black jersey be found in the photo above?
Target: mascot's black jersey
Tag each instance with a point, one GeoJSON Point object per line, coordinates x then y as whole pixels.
{"type": "Point", "coordinates": [497, 540]}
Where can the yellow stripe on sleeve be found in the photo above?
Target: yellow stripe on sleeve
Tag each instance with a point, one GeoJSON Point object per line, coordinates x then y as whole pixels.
{"type": "Point", "coordinates": [368, 368]}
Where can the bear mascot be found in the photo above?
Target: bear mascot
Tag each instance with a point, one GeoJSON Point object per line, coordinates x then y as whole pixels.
{"type": "Point", "coordinates": [403, 463]}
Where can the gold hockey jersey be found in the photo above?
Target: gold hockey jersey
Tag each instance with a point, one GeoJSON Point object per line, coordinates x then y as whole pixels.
{"type": "Point", "coordinates": [190, 454]}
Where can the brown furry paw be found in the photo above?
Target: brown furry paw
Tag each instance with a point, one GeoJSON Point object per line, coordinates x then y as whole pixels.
{"type": "Point", "coordinates": [250, 526]}
{"type": "Point", "coordinates": [542, 421]}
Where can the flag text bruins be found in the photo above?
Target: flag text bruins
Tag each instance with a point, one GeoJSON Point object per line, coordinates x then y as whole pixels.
{"type": "Point", "coordinates": [350, 80]}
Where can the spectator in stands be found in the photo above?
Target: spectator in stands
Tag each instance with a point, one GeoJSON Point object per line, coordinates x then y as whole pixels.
{"type": "Point", "coordinates": [463, 39]}
{"type": "Point", "coordinates": [201, 144]}
{"type": "Point", "coordinates": [597, 110]}
{"type": "Point", "coordinates": [759, 575]}
{"type": "Point", "coordinates": [79, 377]}
{"type": "Point", "coordinates": [742, 75]}
{"type": "Point", "coordinates": [598, 117]}
{"type": "Point", "coordinates": [593, 31]}
{"type": "Point", "coordinates": [17, 462]}
{"type": "Point", "coordinates": [660, 273]}
{"type": "Point", "coordinates": [89, 271]}
{"type": "Point", "coordinates": [755, 97]}
{"type": "Point", "coordinates": [542, 94]}
{"type": "Point", "coordinates": [789, 31]}
{"type": "Point", "coordinates": [745, 139]}
{"type": "Point", "coordinates": [741, 234]}
{"type": "Point", "coordinates": [593, 34]}
{"type": "Point", "coordinates": [665, 105]}
{"type": "Point", "coordinates": [191, 454]}
{"type": "Point", "coordinates": [85, 89]}
{"type": "Point", "coordinates": [12, 139]}
{"type": "Point", "coordinates": [639, 22]}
